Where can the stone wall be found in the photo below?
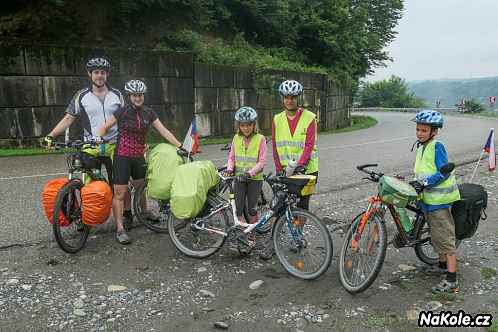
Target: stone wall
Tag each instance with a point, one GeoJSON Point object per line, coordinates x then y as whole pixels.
{"type": "Point", "coordinates": [37, 84]}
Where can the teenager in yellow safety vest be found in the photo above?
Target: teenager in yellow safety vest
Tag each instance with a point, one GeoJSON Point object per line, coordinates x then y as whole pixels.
{"type": "Point", "coordinates": [439, 192]}
{"type": "Point", "coordinates": [246, 161]}
{"type": "Point", "coordinates": [293, 141]}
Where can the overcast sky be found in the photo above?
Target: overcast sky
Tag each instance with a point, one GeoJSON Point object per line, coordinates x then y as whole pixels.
{"type": "Point", "coordinates": [444, 39]}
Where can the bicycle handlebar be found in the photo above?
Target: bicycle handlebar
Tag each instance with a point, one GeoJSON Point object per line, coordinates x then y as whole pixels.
{"type": "Point", "coordinates": [77, 144]}
{"type": "Point", "coordinates": [374, 177]}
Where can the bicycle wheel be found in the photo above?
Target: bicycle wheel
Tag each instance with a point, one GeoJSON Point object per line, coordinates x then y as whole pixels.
{"type": "Point", "coordinates": [360, 266]}
{"type": "Point", "coordinates": [72, 237]}
{"type": "Point", "coordinates": [303, 246]}
{"type": "Point", "coordinates": [423, 249]}
{"type": "Point", "coordinates": [199, 243]}
{"type": "Point", "coordinates": [156, 218]}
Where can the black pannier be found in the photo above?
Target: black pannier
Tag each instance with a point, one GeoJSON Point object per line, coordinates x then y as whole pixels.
{"type": "Point", "coordinates": [469, 209]}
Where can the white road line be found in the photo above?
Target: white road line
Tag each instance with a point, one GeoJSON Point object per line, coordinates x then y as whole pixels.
{"type": "Point", "coordinates": [222, 159]}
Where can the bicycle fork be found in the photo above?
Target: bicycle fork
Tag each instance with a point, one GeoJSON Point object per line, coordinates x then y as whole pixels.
{"type": "Point", "coordinates": [361, 227]}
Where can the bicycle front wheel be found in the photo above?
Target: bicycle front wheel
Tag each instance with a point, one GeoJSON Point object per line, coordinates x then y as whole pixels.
{"type": "Point", "coordinates": [69, 231]}
{"type": "Point", "coordinates": [360, 263]}
{"type": "Point", "coordinates": [200, 240]}
{"type": "Point", "coordinates": [303, 245]}
{"type": "Point", "coordinates": [157, 212]}
{"type": "Point", "coordinates": [423, 249]}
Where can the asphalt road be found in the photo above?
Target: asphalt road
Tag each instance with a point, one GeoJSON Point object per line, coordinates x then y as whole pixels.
{"type": "Point", "coordinates": [22, 179]}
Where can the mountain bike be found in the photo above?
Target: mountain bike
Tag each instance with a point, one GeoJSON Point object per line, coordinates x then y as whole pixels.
{"type": "Point", "coordinates": [365, 242]}
{"type": "Point", "coordinates": [302, 242]}
{"type": "Point", "coordinates": [71, 233]}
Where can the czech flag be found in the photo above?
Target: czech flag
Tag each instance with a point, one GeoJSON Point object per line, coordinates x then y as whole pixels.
{"type": "Point", "coordinates": [191, 141]}
{"type": "Point", "coordinates": [490, 148]}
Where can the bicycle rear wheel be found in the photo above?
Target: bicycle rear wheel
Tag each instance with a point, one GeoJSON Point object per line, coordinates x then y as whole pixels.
{"type": "Point", "coordinates": [359, 266]}
{"type": "Point", "coordinates": [156, 217]}
{"type": "Point", "coordinates": [303, 246]}
{"type": "Point", "coordinates": [195, 242]}
{"type": "Point", "coordinates": [69, 231]}
{"type": "Point", "coordinates": [263, 206]}
{"type": "Point", "coordinates": [423, 249]}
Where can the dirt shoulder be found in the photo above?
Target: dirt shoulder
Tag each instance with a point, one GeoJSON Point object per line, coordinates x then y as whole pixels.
{"type": "Point", "coordinates": [43, 288]}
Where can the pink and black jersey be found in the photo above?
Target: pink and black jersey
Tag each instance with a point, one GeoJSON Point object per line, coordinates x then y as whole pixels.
{"type": "Point", "coordinates": [133, 125]}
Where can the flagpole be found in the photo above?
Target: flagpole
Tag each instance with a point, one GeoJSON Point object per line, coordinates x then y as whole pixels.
{"type": "Point", "coordinates": [190, 149]}
{"type": "Point", "coordinates": [475, 169]}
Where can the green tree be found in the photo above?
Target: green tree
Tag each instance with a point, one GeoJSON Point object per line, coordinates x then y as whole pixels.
{"type": "Point", "coordinates": [393, 92]}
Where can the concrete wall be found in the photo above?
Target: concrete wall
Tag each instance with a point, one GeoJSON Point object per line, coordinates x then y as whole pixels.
{"type": "Point", "coordinates": [37, 83]}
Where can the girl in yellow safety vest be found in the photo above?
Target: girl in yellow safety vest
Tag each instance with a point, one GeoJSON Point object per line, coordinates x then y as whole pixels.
{"type": "Point", "coordinates": [246, 161]}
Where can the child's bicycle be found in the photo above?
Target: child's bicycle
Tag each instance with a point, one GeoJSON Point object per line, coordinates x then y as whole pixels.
{"type": "Point", "coordinates": [69, 230]}
{"type": "Point", "coordinates": [302, 242]}
{"type": "Point", "coordinates": [365, 243]}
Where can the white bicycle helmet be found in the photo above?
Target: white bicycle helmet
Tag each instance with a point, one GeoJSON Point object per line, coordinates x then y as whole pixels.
{"type": "Point", "coordinates": [98, 63]}
{"type": "Point", "coordinates": [290, 87]}
{"type": "Point", "coordinates": [135, 86]}
{"type": "Point", "coordinates": [245, 114]}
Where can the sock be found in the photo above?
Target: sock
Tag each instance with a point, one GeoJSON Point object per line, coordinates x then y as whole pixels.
{"type": "Point", "coordinates": [451, 276]}
{"type": "Point", "coordinates": [127, 213]}
{"type": "Point", "coordinates": [442, 265]}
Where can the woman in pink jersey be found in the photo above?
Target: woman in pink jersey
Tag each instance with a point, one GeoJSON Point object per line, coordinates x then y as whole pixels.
{"type": "Point", "coordinates": [134, 121]}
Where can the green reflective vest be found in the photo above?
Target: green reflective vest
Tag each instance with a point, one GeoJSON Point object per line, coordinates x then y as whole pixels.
{"type": "Point", "coordinates": [245, 159]}
{"type": "Point", "coordinates": [291, 147]}
{"type": "Point", "coordinates": [443, 193]}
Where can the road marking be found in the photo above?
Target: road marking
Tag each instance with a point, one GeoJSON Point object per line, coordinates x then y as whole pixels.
{"type": "Point", "coordinates": [222, 159]}
{"type": "Point", "coordinates": [31, 176]}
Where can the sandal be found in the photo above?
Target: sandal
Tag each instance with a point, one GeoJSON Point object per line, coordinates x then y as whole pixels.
{"type": "Point", "coordinates": [446, 287]}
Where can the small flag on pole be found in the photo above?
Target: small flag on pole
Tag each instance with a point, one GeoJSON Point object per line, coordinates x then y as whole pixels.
{"type": "Point", "coordinates": [490, 149]}
{"type": "Point", "coordinates": [191, 141]}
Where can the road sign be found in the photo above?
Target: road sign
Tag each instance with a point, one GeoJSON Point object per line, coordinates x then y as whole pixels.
{"type": "Point", "coordinates": [438, 103]}
{"type": "Point", "coordinates": [463, 101]}
{"type": "Point", "coordinates": [492, 100]}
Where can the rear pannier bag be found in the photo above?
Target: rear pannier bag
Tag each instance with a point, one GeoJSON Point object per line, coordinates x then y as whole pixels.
{"type": "Point", "coordinates": [162, 164]}
{"type": "Point", "coordinates": [96, 201]}
{"type": "Point", "coordinates": [190, 188]}
{"type": "Point", "coordinates": [50, 192]}
{"type": "Point", "coordinates": [469, 209]}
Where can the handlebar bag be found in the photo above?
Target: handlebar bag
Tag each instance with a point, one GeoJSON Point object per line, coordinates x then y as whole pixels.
{"type": "Point", "coordinates": [162, 164]}
{"type": "Point", "coordinates": [469, 210]}
{"type": "Point", "coordinates": [190, 188]}
{"type": "Point", "coordinates": [50, 192]}
{"type": "Point", "coordinates": [396, 192]}
{"type": "Point", "coordinates": [96, 198]}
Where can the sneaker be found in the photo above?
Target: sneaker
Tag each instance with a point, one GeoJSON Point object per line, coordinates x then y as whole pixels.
{"type": "Point", "coordinates": [446, 287]}
{"type": "Point", "coordinates": [151, 216]}
{"type": "Point", "coordinates": [123, 237]}
{"type": "Point", "coordinates": [233, 244]}
{"type": "Point", "coordinates": [127, 222]}
{"type": "Point", "coordinates": [268, 251]}
{"type": "Point", "coordinates": [251, 243]}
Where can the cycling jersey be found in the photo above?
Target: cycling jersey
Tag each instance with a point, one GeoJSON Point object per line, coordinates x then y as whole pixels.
{"type": "Point", "coordinates": [94, 112]}
{"type": "Point", "coordinates": [133, 125]}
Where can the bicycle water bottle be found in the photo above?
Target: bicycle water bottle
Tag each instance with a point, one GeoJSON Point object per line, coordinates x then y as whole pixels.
{"type": "Point", "coordinates": [405, 220]}
{"type": "Point", "coordinates": [98, 174]}
{"type": "Point", "coordinates": [102, 149]}
{"type": "Point", "coordinates": [291, 166]}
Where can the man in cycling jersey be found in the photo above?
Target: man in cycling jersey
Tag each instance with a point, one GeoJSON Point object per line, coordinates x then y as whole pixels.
{"type": "Point", "coordinates": [95, 104]}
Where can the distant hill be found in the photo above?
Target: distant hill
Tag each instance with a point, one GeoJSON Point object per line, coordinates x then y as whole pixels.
{"type": "Point", "coordinates": [451, 91]}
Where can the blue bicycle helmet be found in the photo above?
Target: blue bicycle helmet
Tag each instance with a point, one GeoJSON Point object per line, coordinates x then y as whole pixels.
{"type": "Point", "coordinates": [429, 117]}
{"type": "Point", "coordinates": [290, 87]}
{"type": "Point", "coordinates": [245, 114]}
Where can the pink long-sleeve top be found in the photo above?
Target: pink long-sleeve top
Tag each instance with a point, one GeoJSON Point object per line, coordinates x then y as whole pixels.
{"type": "Point", "coordinates": [261, 156]}
{"type": "Point", "coordinates": [308, 146]}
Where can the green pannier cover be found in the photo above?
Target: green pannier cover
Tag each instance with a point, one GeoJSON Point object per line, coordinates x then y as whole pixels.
{"type": "Point", "coordinates": [163, 162]}
{"type": "Point", "coordinates": [395, 191]}
{"type": "Point", "coordinates": [190, 187]}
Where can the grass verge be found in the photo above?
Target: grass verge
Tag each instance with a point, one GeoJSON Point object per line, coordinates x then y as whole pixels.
{"type": "Point", "coordinates": [358, 122]}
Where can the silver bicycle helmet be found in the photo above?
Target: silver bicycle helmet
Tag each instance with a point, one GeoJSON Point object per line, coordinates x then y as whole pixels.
{"type": "Point", "coordinates": [98, 63]}
{"type": "Point", "coordinates": [290, 87]}
{"type": "Point", "coordinates": [135, 86]}
{"type": "Point", "coordinates": [245, 114]}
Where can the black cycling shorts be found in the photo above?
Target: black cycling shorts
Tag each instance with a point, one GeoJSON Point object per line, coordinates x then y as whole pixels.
{"type": "Point", "coordinates": [124, 167]}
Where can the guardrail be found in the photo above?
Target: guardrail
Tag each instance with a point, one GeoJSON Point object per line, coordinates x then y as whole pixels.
{"type": "Point", "coordinates": [400, 109]}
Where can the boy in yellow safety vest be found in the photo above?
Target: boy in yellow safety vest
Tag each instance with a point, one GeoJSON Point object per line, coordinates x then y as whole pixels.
{"type": "Point", "coordinates": [246, 161]}
{"type": "Point", "coordinates": [439, 192]}
{"type": "Point", "coordinates": [294, 142]}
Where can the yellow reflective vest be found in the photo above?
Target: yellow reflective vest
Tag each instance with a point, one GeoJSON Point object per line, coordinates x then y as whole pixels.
{"type": "Point", "coordinates": [291, 147]}
{"type": "Point", "coordinates": [443, 193]}
{"type": "Point", "coordinates": [245, 159]}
